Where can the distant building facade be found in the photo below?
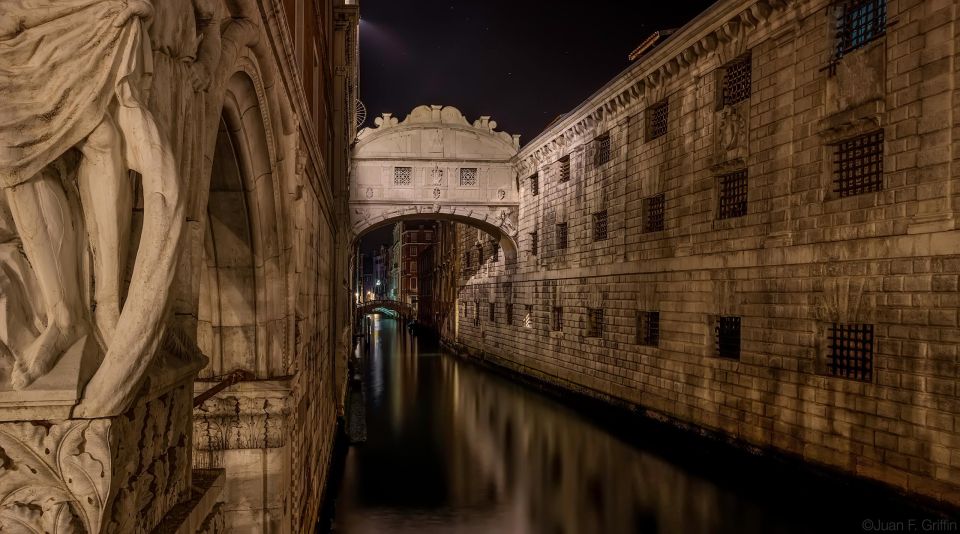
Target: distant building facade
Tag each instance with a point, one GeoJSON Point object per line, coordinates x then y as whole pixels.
{"type": "Point", "coordinates": [409, 240]}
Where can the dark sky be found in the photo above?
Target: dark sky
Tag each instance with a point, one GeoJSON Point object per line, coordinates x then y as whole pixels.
{"type": "Point", "coordinates": [523, 62]}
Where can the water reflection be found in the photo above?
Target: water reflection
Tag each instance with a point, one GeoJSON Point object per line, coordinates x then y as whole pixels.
{"type": "Point", "coordinates": [454, 448]}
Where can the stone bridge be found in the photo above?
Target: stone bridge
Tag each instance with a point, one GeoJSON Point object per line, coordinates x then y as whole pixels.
{"type": "Point", "coordinates": [435, 165]}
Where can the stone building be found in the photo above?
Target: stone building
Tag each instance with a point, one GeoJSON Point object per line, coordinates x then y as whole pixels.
{"type": "Point", "coordinates": [237, 117]}
{"type": "Point", "coordinates": [751, 232]}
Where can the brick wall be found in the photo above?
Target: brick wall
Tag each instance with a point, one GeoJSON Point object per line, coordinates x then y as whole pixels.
{"type": "Point", "coordinates": [802, 257]}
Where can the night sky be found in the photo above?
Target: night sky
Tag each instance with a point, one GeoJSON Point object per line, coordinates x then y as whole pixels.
{"type": "Point", "coordinates": [523, 62]}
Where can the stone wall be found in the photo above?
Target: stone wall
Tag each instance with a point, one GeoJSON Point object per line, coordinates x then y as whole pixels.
{"type": "Point", "coordinates": [802, 259]}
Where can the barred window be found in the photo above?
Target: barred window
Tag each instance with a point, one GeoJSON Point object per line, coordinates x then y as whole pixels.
{"type": "Point", "coordinates": [657, 115]}
{"type": "Point", "coordinates": [735, 86]}
{"type": "Point", "coordinates": [860, 22]}
{"type": "Point", "coordinates": [468, 177]}
{"type": "Point", "coordinates": [728, 337]}
{"type": "Point", "coordinates": [733, 195]}
{"type": "Point", "coordinates": [858, 165]}
{"type": "Point", "coordinates": [594, 322]}
{"type": "Point", "coordinates": [476, 313]}
{"type": "Point", "coordinates": [509, 313]}
{"type": "Point", "coordinates": [402, 175]}
{"type": "Point", "coordinates": [565, 169]}
{"type": "Point", "coordinates": [561, 236]}
{"type": "Point", "coordinates": [851, 351]}
{"type": "Point", "coordinates": [534, 243]}
{"type": "Point", "coordinates": [603, 149]}
{"type": "Point", "coordinates": [493, 312]}
{"type": "Point", "coordinates": [528, 316]}
{"type": "Point", "coordinates": [648, 328]}
{"type": "Point", "coordinates": [600, 225]}
{"type": "Point", "coordinates": [496, 252]}
{"type": "Point", "coordinates": [556, 319]}
{"type": "Point", "coordinates": [535, 184]}
{"type": "Point", "coordinates": [653, 213]}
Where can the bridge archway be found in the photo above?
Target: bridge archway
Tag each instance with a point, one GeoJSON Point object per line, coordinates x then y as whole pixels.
{"type": "Point", "coordinates": [436, 165]}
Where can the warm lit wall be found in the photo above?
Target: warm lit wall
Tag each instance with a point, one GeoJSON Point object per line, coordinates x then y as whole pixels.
{"type": "Point", "coordinates": [799, 260]}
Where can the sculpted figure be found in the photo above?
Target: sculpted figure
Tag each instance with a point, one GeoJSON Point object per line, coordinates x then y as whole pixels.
{"type": "Point", "coordinates": [75, 74]}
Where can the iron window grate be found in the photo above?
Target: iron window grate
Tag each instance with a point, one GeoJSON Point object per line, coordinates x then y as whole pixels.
{"type": "Point", "coordinates": [565, 169]}
{"type": "Point", "coordinates": [858, 165]}
{"type": "Point", "coordinates": [594, 322]}
{"type": "Point", "coordinates": [402, 175]}
{"type": "Point", "coordinates": [562, 236]}
{"type": "Point", "coordinates": [728, 337]}
{"type": "Point", "coordinates": [657, 115]}
{"type": "Point", "coordinates": [528, 316]}
{"type": "Point", "coordinates": [476, 313]}
{"type": "Point", "coordinates": [648, 328]}
{"type": "Point", "coordinates": [535, 184]}
{"type": "Point", "coordinates": [733, 195]}
{"type": "Point", "coordinates": [509, 313]}
{"type": "Point", "coordinates": [860, 22]}
{"type": "Point", "coordinates": [603, 149]}
{"type": "Point", "coordinates": [600, 225]}
{"type": "Point", "coordinates": [556, 319]}
{"type": "Point", "coordinates": [468, 177]}
{"type": "Point", "coordinates": [653, 208]}
{"type": "Point", "coordinates": [534, 243]}
{"type": "Point", "coordinates": [851, 351]}
{"type": "Point", "coordinates": [496, 252]}
{"type": "Point", "coordinates": [493, 312]}
{"type": "Point", "coordinates": [736, 80]}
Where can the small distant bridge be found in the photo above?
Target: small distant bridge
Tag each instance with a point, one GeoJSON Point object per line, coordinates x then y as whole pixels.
{"type": "Point", "coordinates": [404, 310]}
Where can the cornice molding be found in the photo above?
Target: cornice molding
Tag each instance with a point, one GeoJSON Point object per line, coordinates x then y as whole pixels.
{"type": "Point", "coordinates": [719, 24]}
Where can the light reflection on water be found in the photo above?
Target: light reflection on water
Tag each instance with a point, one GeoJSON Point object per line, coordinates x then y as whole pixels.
{"type": "Point", "coordinates": [453, 448]}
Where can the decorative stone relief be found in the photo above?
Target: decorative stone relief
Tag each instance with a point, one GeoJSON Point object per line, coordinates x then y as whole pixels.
{"type": "Point", "coordinates": [369, 192]}
{"type": "Point", "coordinates": [239, 422]}
{"type": "Point", "coordinates": [436, 176]}
{"type": "Point", "coordinates": [62, 477]}
{"type": "Point", "coordinates": [731, 133]}
{"type": "Point", "coordinates": [54, 479]}
{"type": "Point", "coordinates": [842, 300]}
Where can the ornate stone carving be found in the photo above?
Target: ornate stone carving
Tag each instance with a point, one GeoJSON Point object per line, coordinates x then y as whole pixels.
{"type": "Point", "coordinates": [119, 474]}
{"type": "Point", "coordinates": [436, 175]}
{"type": "Point", "coordinates": [436, 192]}
{"type": "Point", "coordinates": [54, 479]}
{"type": "Point", "coordinates": [731, 132]}
{"type": "Point", "coordinates": [369, 193]}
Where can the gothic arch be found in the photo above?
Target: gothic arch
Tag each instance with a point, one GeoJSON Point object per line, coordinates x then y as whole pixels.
{"type": "Point", "coordinates": [242, 312]}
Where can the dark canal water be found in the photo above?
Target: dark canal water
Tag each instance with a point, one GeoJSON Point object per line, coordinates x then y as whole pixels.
{"type": "Point", "coordinates": [453, 447]}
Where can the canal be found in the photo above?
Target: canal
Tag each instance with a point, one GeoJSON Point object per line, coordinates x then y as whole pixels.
{"type": "Point", "coordinates": [454, 447]}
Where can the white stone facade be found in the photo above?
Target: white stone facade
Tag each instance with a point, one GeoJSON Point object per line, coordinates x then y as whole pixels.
{"type": "Point", "coordinates": [435, 164]}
